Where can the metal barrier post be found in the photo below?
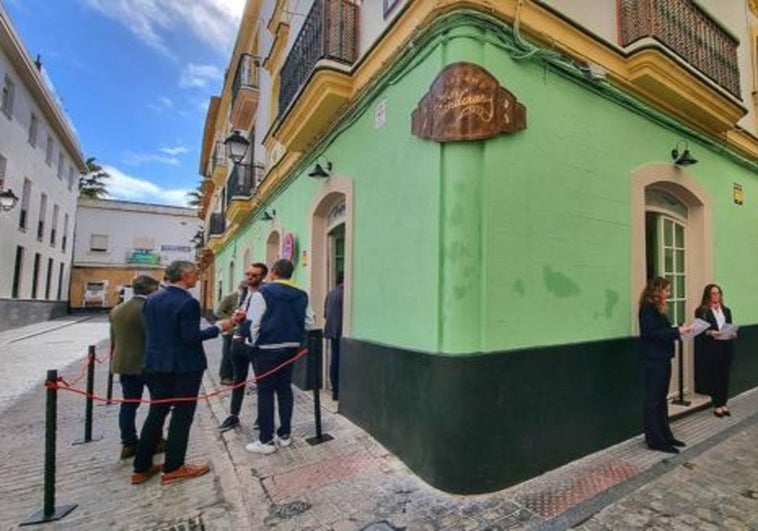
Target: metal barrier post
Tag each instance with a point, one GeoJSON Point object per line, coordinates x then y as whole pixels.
{"type": "Point", "coordinates": [49, 511]}
{"type": "Point", "coordinates": [315, 342]}
{"type": "Point", "coordinates": [109, 394]}
{"type": "Point", "coordinates": [91, 358]}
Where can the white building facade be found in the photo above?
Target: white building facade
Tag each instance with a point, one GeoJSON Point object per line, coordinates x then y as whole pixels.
{"type": "Point", "coordinates": [40, 161]}
{"type": "Point", "coordinates": [118, 240]}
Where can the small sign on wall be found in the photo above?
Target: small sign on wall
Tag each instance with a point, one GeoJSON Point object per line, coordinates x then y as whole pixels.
{"type": "Point", "coordinates": [737, 194]}
{"type": "Point", "coordinates": [380, 114]}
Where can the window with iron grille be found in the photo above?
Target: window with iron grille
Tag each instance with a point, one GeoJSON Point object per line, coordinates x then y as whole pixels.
{"type": "Point", "coordinates": [49, 151]}
{"type": "Point", "coordinates": [9, 93]}
{"type": "Point", "coordinates": [33, 125]}
{"type": "Point", "coordinates": [61, 161]}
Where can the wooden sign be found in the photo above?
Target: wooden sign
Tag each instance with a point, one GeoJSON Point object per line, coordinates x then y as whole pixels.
{"type": "Point", "coordinates": [466, 102]}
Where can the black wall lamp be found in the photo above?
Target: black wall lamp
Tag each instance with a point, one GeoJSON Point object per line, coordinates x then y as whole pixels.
{"type": "Point", "coordinates": [682, 156]}
{"type": "Point", "coordinates": [7, 199]}
{"type": "Point", "coordinates": [268, 216]}
{"type": "Point", "coordinates": [236, 147]}
{"type": "Point", "coordinates": [320, 171]}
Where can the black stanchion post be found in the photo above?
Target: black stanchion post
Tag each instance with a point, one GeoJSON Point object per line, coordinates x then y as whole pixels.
{"type": "Point", "coordinates": [49, 512]}
{"type": "Point", "coordinates": [315, 341]}
{"type": "Point", "coordinates": [680, 401]}
{"type": "Point", "coordinates": [109, 395]}
{"type": "Point", "coordinates": [89, 400]}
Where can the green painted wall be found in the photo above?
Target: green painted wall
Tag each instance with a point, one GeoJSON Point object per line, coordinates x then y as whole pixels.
{"type": "Point", "coordinates": [518, 241]}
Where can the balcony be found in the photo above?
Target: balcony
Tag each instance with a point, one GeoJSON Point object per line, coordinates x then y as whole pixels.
{"type": "Point", "coordinates": [688, 31]}
{"type": "Point", "coordinates": [329, 32]}
{"type": "Point", "coordinates": [240, 187]}
{"type": "Point", "coordinates": [245, 93]}
{"type": "Point", "coordinates": [219, 164]}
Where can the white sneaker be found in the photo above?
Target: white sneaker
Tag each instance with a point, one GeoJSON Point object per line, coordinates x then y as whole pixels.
{"type": "Point", "coordinates": [283, 441]}
{"type": "Point", "coordinates": [258, 447]}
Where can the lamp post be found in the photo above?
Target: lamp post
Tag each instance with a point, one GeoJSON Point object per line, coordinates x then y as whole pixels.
{"type": "Point", "coordinates": [7, 199]}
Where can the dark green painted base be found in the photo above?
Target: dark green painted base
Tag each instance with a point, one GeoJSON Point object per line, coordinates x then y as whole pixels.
{"type": "Point", "coordinates": [479, 423]}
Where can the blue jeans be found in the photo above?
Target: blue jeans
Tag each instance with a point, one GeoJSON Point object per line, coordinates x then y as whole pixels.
{"type": "Point", "coordinates": [242, 356]}
{"type": "Point", "coordinates": [168, 385]}
{"type": "Point", "coordinates": [132, 386]}
{"type": "Point", "coordinates": [278, 383]}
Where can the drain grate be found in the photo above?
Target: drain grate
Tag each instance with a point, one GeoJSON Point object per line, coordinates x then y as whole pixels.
{"type": "Point", "coordinates": [286, 511]}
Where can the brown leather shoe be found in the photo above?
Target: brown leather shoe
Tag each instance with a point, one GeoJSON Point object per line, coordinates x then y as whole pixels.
{"type": "Point", "coordinates": [185, 472]}
{"type": "Point", "coordinates": [141, 477]}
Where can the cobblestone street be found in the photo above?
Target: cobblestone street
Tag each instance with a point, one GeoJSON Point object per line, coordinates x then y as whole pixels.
{"type": "Point", "coordinates": [351, 482]}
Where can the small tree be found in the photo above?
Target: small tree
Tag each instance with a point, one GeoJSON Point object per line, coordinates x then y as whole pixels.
{"type": "Point", "coordinates": [195, 197]}
{"type": "Point", "coordinates": [92, 184]}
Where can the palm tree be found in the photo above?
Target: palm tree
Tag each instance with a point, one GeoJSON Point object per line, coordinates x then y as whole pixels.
{"type": "Point", "coordinates": [195, 197]}
{"type": "Point", "coordinates": [91, 184]}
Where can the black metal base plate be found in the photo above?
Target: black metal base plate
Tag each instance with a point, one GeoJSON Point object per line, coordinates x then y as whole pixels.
{"type": "Point", "coordinates": [82, 441]}
{"type": "Point", "coordinates": [40, 518]}
{"type": "Point", "coordinates": [313, 441]}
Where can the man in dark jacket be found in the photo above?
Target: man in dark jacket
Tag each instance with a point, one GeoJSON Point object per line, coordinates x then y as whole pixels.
{"type": "Point", "coordinates": [127, 357]}
{"type": "Point", "coordinates": [174, 365]}
{"type": "Point", "coordinates": [278, 314]}
{"type": "Point", "coordinates": [333, 331]}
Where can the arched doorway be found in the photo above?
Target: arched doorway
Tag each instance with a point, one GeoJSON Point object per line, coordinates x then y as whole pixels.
{"type": "Point", "coordinates": [273, 248]}
{"type": "Point", "coordinates": [671, 237]}
{"type": "Point", "coordinates": [331, 251]}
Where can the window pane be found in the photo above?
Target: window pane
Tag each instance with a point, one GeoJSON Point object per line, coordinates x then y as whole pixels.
{"type": "Point", "coordinates": [679, 236]}
{"type": "Point", "coordinates": [680, 294]}
{"type": "Point", "coordinates": [668, 228]}
{"type": "Point", "coordinates": [679, 261]}
{"type": "Point", "coordinates": [668, 264]}
{"type": "Point", "coordinates": [679, 312]}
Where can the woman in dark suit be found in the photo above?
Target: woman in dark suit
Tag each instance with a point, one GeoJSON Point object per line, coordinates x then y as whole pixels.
{"type": "Point", "coordinates": [657, 338]}
{"type": "Point", "coordinates": [713, 354]}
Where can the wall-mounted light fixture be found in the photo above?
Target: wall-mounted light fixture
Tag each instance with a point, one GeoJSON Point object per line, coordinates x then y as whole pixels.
{"type": "Point", "coordinates": [236, 147]}
{"type": "Point", "coordinates": [321, 171]}
{"type": "Point", "coordinates": [268, 216]}
{"type": "Point", "coordinates": [681, 154]}
{"type": "Point", "coordinates": [7, 199]}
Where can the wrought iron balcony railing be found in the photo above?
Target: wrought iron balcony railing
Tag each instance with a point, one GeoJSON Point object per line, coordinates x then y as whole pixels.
{"type": "Point", "coordinates": [686, 29]}
{"type": "Point", "coordinates": [217, 225]}
{"type": "Point", "coordinates": [241, 182]}
{"type": "Point", "coordinates": [329, 32]}
{"type": "Point", "coordinates": [245, 92]}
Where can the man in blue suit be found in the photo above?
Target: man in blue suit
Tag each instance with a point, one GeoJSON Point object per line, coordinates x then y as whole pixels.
{"type": "Point", "coordinates": [174, 365]}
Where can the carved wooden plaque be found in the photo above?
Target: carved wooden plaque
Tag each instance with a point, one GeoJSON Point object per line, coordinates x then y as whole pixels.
{"type": "Point", "coordinates": [466, 102]}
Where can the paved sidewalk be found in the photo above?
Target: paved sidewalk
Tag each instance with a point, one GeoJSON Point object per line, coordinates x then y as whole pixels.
{"type": "Point", "coordinates": [352, 482]}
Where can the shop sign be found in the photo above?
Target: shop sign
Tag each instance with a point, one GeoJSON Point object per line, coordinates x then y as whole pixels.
{"type": "Point", "coordinates": [737, 194]}
{"type": "Point", "coordinates": [288, 246]}
{"type": "Point", "coordinates": [465, 102]}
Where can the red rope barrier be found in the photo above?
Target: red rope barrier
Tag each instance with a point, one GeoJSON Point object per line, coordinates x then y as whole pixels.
{"type": "Point", "coordinates": [62, 385]}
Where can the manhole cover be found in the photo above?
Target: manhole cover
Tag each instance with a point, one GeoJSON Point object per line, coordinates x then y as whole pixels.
{"type": "Point", "coordinates": [190, 524]}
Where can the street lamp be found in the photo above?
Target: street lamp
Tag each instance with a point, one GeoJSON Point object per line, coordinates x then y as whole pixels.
{"type": "Point", "coordinates": [236, 147]}
{"type": "Point", "coordinates": [7, 199]}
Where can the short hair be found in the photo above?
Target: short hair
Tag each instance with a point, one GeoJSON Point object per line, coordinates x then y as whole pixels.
{"type": "Point", "coordinates": [263, 267]}
{"type": "Point", "coordinates": [144, 285]}
{"type": "Point", "coordinates": [176, 270]}
{"type": "Point", "coordinates": [283, 268]}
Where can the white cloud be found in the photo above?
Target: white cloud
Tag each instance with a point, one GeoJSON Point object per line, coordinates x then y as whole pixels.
{"type": "Point", "coordinates": [128, 188]}
{"type": "Point", "coordinates": [137, 159]}
{"type": "Point", "coordinates": [212, 21]}
{"type": "Point", "coordinates": [163, 104]}
{"type": "Point", "coordinates": [173, 151]}
{"type": "Point", "coordinates": [198, 76]}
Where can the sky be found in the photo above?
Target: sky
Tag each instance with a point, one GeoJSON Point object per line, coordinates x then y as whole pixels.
{"type": "Point", "coordinates": [135, 78]}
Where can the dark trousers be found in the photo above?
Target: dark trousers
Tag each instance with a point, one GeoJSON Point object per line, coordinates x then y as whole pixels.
{"type": "Point", "coordinates": [656, 378]}
{"type": "Point", "coordinates": [168, 385]}
{"type": "Point", "coordinates": [242, 356]}
{"type": "Point", "coordinates": [278, 383]}
{"type": "Point", "coordinates": [226, 369]}
{"type": "Point", "coordinates": [720, 369]}
{"type": "Point", "coordinates": [334, 365]}
{"type": "Point", "coordinates": [132, 386]}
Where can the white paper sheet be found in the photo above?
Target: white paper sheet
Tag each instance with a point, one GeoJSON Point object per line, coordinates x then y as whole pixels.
{"type": "Point", "coordinates": [698, 327]}
{"type": "Point", "coordinates": [727, 332]}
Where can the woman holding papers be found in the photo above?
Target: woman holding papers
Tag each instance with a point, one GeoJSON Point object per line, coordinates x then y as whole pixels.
{"type": "Point", "coordinates": [714, 348]}
{"type": "Point", "coordinates": [657, 348]}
